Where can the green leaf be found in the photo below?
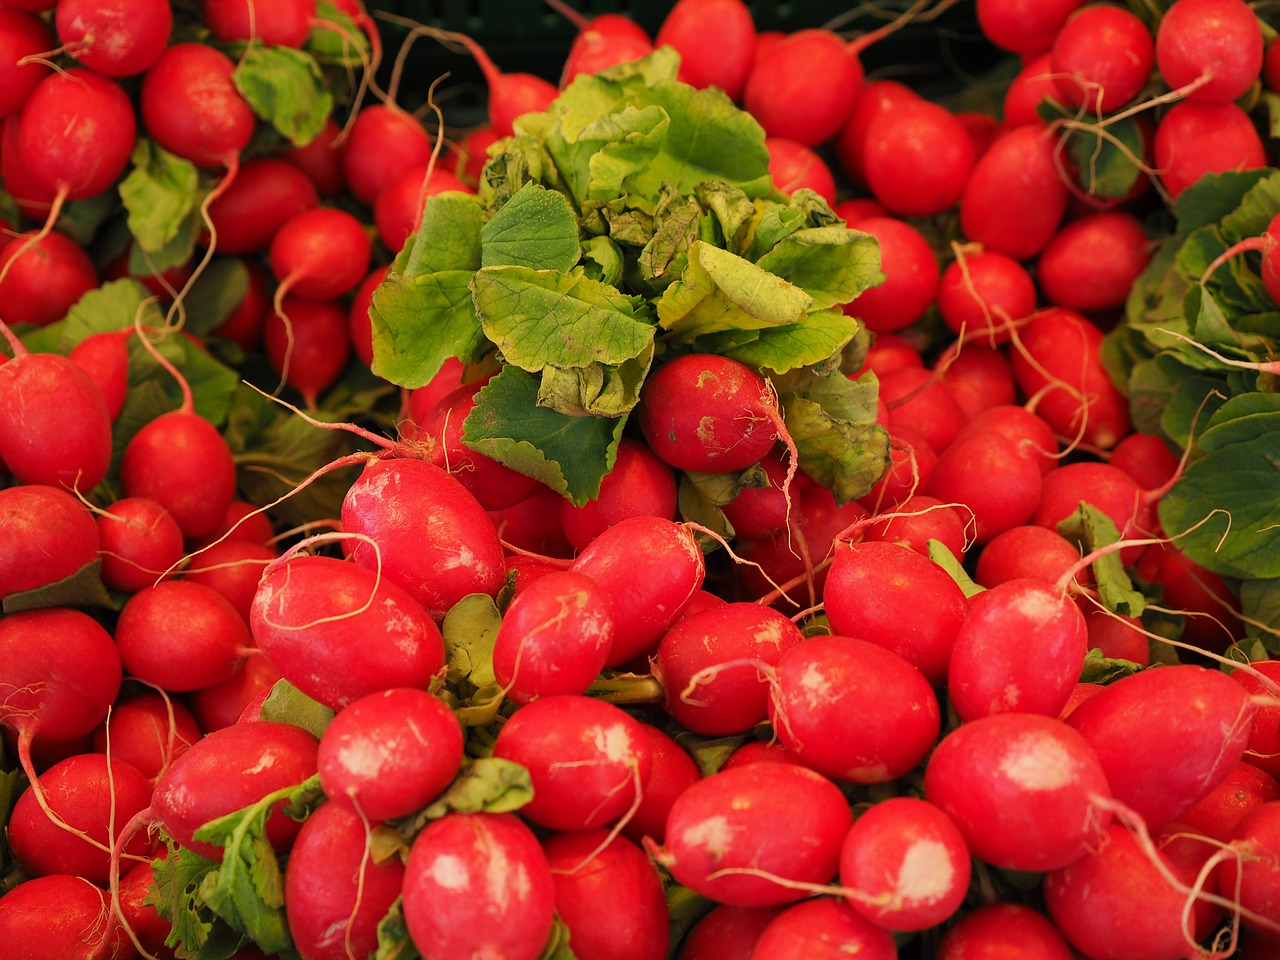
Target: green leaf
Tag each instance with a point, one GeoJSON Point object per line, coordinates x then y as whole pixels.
{"type": "Point", "coordinates": [846, 458]}
{"type": "Point", "coordinates": [420, 323]}
{"type": "Point", "coordinates": [602, 260]}
{"type": "Point", "coordinates": [161, 197]}
{"type": "Point", "coordinates": [485, 785]}
{"type": "Point", "coordinates": [1256, 209]}
{"type": "Point", "coordinates": [597, 390]}
{"type": "Point", "coordinates": [569, 454]}
{"type": "Point", "coordinates": [469, 630]}
{"type": "Point", "coordinates": [853, 401]}
{"type": "Point", "coordinates": [346, 46]}
{"type": "Point", "coordinates": [539, 318]}
{"type": "Point", "coordinates": [1094, 529]}
{"type": "Point", "coordinates": [1214, 196]}
{"type": "Point", "coordinates": [1107, 159]}
{"type": "Point", "coordinates": [393, 936]}
{"type": "Point", "coordinates": [734, 212]}
{"type": "Point", "coordinates": [112, 306]}
{"type": "Point", "coordinates": [662, 259]}
{"type": "Point", "coordinates": [941, 554]}
{"type": "Point", "coordinates": [215, 294]}
{"type": "Point", "coordinates": [558, 946]}
{"type": "Point", "coordinates": [536, 228]}
{"type": "Point", "coordinates": [700, 499]}
{"type": "Point", "coordinates": [193, 928]}
{"type": "Point", "coordinates": [831, 264]}
{"type": "Point", "coordinates": [1260, 609]}
{"type": "Point", "coordinates": [1100, 669]}
{"type": "Point", "coordinates": [83, 588]}
{"type": "Point", "coordinates": [817, 337]}
{"type": "Point", "coordinates": [287, 88]}
{"type": "Point", "coordinates": [287, 704]}
{"type": "Point", "coordinates": [722, 291]}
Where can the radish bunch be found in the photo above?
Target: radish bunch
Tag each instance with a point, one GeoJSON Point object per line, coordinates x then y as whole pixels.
{"type": "Point", "coordinates": [728, 505]}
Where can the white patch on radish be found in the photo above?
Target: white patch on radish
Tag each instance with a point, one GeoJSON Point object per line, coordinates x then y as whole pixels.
{"type": "Point", "coordinates": [770, 633]}
{"type": "Point", "coordinates": [926, 874]}
{"type": "Point", "coordinates": [450, 872]}
{"type": "Point", "coordinates": [817, 688]}
{"type": "Point", "coordinates": [614, 744]}
{"type": "Point", "coordinates": [504, 879]}
{"type": "Point", "coordinates": [266, 763]}
{"type": "Point", "coordinates": [1009, 699]}
{"type": "Point", "coordinates": [1036, 762]}
{"type": "Point", "coordinates": [362, 758]}
{"type": "Point", "coordinates": [1038, 606]}
{"type": "Point", "coordinates": [714, 835]}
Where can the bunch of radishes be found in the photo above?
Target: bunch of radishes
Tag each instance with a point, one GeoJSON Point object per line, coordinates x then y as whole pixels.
{"type": "Point", "coordinates": [713, 712]}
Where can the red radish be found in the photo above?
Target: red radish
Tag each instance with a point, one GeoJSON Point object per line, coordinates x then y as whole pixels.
{"type": "Point", "coordinates": [511, 95]}
{"type": "Point", "coordinates": [1032, 437]}
{"type": "Point", "coordinates": [266, 194]}
{"type": "Point", "coordinates": [162, 284]}
{"type": "Point", "coordinates": [1018, 172]}
{"type": "Point", "coordinates": [222, 705]}
{"type": "Point", "coordinates": [308, 342]}
{"type": "Point", "coordinates": [908, 863]}
{"type": "Point", "coordinates": [713, 666]}
{"type": "Point", "coordinates": [917, 158]}
{"type": "Point", "coordinates": [433, 538]}
{"type": "Point", "coordinates": [756, 836]}
{"type": "Point", "coordinates": [46, 535]}
{"type": "Point", "coordinates": [389, 754]}
{"type": "Point", "coordinates": [321, 159]}
{"type": "Point", "coordinates": [1219, 812]}
{"type": "Point", "coordinates": [1058, 364]}
{"type": "Point", "coordinates": [359, 324]}
{"type": "Point", "coordinates": [673, 771]}
{"type": "Point", "coordinates": [86, 801]}
{"type": "Point", "coordinates": [760, 510]}
{"type": "Point", "coordinates": [425, 398]}
{"type": "Point", "coordinates": [397, 210]}
{"type": "Point", "coordinates": [876, 97]}
{"type": "Point", "coordinates": [707, 413]}
{"type": "Point", "coordinates": [1102, 58]}
{"type": "Point", "coordinates": [911, 463]}
{"type": "Point", "coordinates": [604, 41]}
{"type": "Point", "coordinates": [1003, 929]}
{"type": "Point", "coordinates": [639, 484]}
{"type": "Point", "coordinates": [963, 475]}
{"type": "Point", "coordinates": [534, 525]}
{"type": "Point", "coordinates": [650, 568]}
{"type": "Point", "coordinates": [286, 24]}
{"type": "Point", "coordinates": [869, 594]}
{"type": "Point", "coordinates": [140, 543]}
{"type": "Point", "coordinates": [721, 57]}
{"type": "Point", "coordinates": [853, 710]}
{"type": "Point", "coordinates": [794, 166]}
{"type": "Point", "coordinates": [856, 209]}
{"type": "Point", "coordinates": [726, 932]}
{"type": "Point", "coordinates": [383, 143]}
{"type": "Point", "coordinates": [1026, 790]}
{"type": "Point", "coordinates": [451, 908]}
{"type": "Point", "coordinates": [890, 352]}
{"type": "Point", "coordinates": [1110, 247]}
{"type": "Point", "coordinates": [782, 95]}
{"type": "Point", "coordinates": [43, 275]}
{"type": "Point", "coordinates": [335, 892]}
{"type": "Point", "coordinates": [320, 254]}
{"type": "Point", "coordinates": [1264, 732]}
{"type": "Point", "coordinates": [191, 107]}
{"type": "Point", "coordinates": [978, 377]}
{"type": "Point", "coordinates": [247, 761]}
{"type": "Point", "coordinates": [474, 153]}
{"type": "Point", "coordinates": [982, 293]}
{"type": "Point", "coordinates": [1202, 710]}
{"type": "Point", "coordinates": [1208, 604]}
{"type": "Point", "coordinates": [1252, 879]}
{"type": "Point", "coordinates": [1027, 552]}
{"type": "Point", "coordinates": [1145, 457]}
{"type": "Point", "coordinates": [231, 568]}
{"type": "Point", "coordinates": [1180, 156]}
{"type": "Point", "coordinates": [1118, 637]}
{"type": "Point", "coordinates": [22, 35]}
{"type": "Point", "coordinates": [1105, 487]}
{"type": "Point", "coordinates": [179, 635]}
{"type": "Point", "coordinates": [1024, 26]}
{"type": "Point", "coordinates": [61, 916]}
{"type": "Point", "coordinates": [588, 760]}
{"type": "Point", "coordinates": [33, 199]}
{"type": "Point", "coordinates": [118, 38]}
{"type": "Point", "coordinates": [609, 896]}
{"type": "Point", "coordinates": [338, 632]}
{"type": "Point", "coordinates": [911, 277]}
{"type": "Point", "coordinates": [915, 522]}
{"type": "Point", "coordinates": [1218, 39]}
{"type": "Point", "coordinates": [243, 326]}
{"type": "Point", "coordinates": [823, 926]}
{"type": "Point", "coordinates": [148, 732]}
{"type": "Point", "coordinates": [244, 523]}
{"type": "Point", "coordinates": [139, 914]}
{"type": "Point", "coordinates": [555, 637]}
{"type": "Point", "coordinates": [919, 400]}
{"type": "Point", "coordinates": [55, 429]}
{"type": "Point", "coordinates": [1034, 82]}
{"type": "Point", "coordinates": [76, 132]}
{"type": "Point", "coordinates": [105, 357]}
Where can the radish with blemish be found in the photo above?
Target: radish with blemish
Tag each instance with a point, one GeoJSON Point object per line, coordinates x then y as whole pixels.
{"type": "Point", "coordinates": [1220, 40]}
{"type": "Point", "coordinates": [117, 38]}
{"type": "Point", "coordinates": [61, 916]}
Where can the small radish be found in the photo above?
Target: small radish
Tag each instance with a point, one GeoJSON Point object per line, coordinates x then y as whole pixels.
{"type": "Point", "coordinates": [243, 325]}
{"type": "Point", "coordinates": [1034, 82]}
{"type": "Point", "coordinates": [359, 323]}
{"type": "Point", "coordinates": [1018, 172]}
{"type": "Point", "coordinates": [321, 159]}
{"type": "Point", "coordinates": [1102, 58]}
{"type": "Point", "coordinates": [308, 342]}
{"type": "Point", "coordinates": [46, 535]}
{"type": "Point", "coordinates": [1219, 812]}
{"type": "Point", "coordinates": [1032, 437]}
{"type": "Point", "coordinates": [42, 276]}
{"type": "Point", "coordinates": [371, 635]}
{"type": "Point", "coordinates": [794, 166]}
{"type": "Point", "coordinates": [223, 704]}
{"type": "Point", "coordinates": [61, 916]}
{"type": "Point", "coordinates": [511, 95]}
{"type": "Point", "coordinates": [1218, 39]}
{"type": "Point", "coordinates": [1252, 878]}
{"type": "Point", "coordinates": [1180, 155]}
{"type": "Point", "coordinates": [383, 143]}
{"type": "Point", "coordinates": [911, 277]}
{"type": "Point", "coordinates": [1026, 552]}
{"type": "Point", "coordinates": [604, 41]}
{"type": "Point", "coordinates": [920, 401]}
{"type": "Point", "coordinates": [963, 475]}
{"type": "Point", "coordinates": [389, 754]}
{"type": "Point", "coordinates": [191, 107]}
{"type": "Point", "coordinates": [22, 35]}
{"type": "Point", "coordinates": [722, 57]}
{"type": "Point", "coordinates": [266, 194]}
{"type": "Point", "coordinates": [917, 158]}
{"type": "Point", "coordinates": [231, 568]}
{"type": "Point", "coordinates": [1026, 27]}
{"type": "Point", "coordinates": [824, 925]}
{"type": "Point", "coordinates": [1110, 247]}
{"type": "Point", "coordinates": [105, 357]}
{"type": "Point", "coordinates": [979, 377]}
{"type": "Point", "coordinates": [284, 23]}
{"type": "Point", "coordinates": [982, 293]}
{"type": "Point", "coordinates": [140, 542]}
{"type": "Point", "coordinates": [915, 522]}
{"type": "Point", "coordinates": [1008, 929]}
{"type": "Point", "coordinates": [782, 94]}
{"type": "Point", "coordinates": [148, 731]}
{"type": "Point", "coordinates": [320, 253]}
{"type": "Point", "coordinates": [639, 484]}
{"type": "Point", "coordinates": [397, 210]}
{"type": "Point", "coordinates": [673, 772]}
{"type": "Point", "coordinates": [876, 97]}
{"type": "Point", "coordinates": [118, 38]}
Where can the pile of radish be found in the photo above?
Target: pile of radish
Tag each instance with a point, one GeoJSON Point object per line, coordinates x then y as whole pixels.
{"type": "Point", "coordinates": [728, 505]}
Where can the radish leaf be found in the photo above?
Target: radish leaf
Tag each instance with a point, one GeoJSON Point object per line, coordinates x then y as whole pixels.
{"type": "Point", "coordinates": [285, 87]}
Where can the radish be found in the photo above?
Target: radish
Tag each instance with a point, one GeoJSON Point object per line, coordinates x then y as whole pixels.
{"type": "Point", "coordinates": [223, 704]}
{"type": "Point", "coordinates": [1218, 39]}
{"type": "Point", "coordinates": [42, 275]}
{"type": "Point", "coordinates": [433, 538]}
{"type": "Point", "coordinates": [137, 912]}
{"type": "Point", "coordinates": [335, 892]}
{"type": "Point", "coordinates": [639, 484]}
{"type": "Point", "coordinates": [722, 57]}
{"type": "Point", "coordinates": [320, 254]}
{"type": "Point", "coordinates": [823, 926]}
{"type": "Point", "coordinates": [1034, 82]}
{"type": "Point", "coordinates": [1203, 711]}
{"type": "Point", "coordinates": [22, 35]}
{"type": "Point", "coordinates": [1102, 58]}
{"type": "Point", "coordinates": [1264, 732]}
{"type": "Point", "coordinates": [1027, 791]}
{"type": "Point", "coordinates": [285, 23]}
{"type": "Point", "coordinates": [609, 895]}
{"type": "Point", "coordinates": [876, 97]}
{"type": "Point", "coordinates": [852, 710]}
{"type": "Point", "coordinates": [85, 801]}
{"type": "Point", "coordinates": [915, 522]}
{"type": "Point", "coordinates": [555, 637]}
{"type": "Point", "coordinates": [46, 535]}
{"type": "Point", "coordinates": [1032, 437]}
{"type": "Point", "coordinates": [140, 543]}
{"type": "Point", "coordinates": [1111, 247]}
{"type": "Point", "coordinates": [1208, 605]}
{"type": "Point", "coordinates": [191, 107]}
{"type": "Point", "coordinates": [147, 731]}
{"type": "Point", "coordinates": [359, 324]}
{"type": "Point", "coordinates": [714, 666]}
{"type": "Point", "coordinates": [231, 568]}
{"type": "Point", "coordinates": [511, 95]}
{"type": "Point", "coordinates": [266, 194]}
{"type": "Point", "coordinates": [793, 166]}
{"type": "Point", "coordinates": [756, 836]}
{"type": "Point", "coordinates": [1105, 487]}
{"type": "Point", "coordinates": [389, 754]}
{"type": "Point", "coordinates": [588, 760]}
{"type": "Point", "coordinates": [61, 916]}
{"type": "Point", "coordinates": [55, 429]}
{"type": "Point", "coordinates": [726, 932]}
{"type": "Point", "coordinates": [650, 568]}
{"type": "Point", "coordinates": [1180, 157]}
{"type": "Point", "coordinates": [321, 159]}
{"type": "Point", "coordinates": [308, 343]}
{"type": "Point", "coordinates": [982, 293]}
{"type": "Point", "coordinates": [1219, 812]}
{"type": "Point", "coordinates": [604, 41]}
{"type": "Point", "coordinates": [911, 277]}
{"type": "Point", "coordinates": [963, 475]}
{"type": "Point", "coordinates": [383, 143]}
{"type": "Point", "coordinates": [1118, 637]}
{"type": "Point", "coordinates": [917, 158]}
{"type": "Point", "coordinates": [1009, 929]}
{"type": "Point", "coordinates": [1018, 172]}
{"type": "Point", "coordinates": [673, 771]}
{"type": "Point", "coordinates": [1252, 878]}
{"type": "Point", "coordinates": [243, 325]}
{"type": "Point", "coordinates": [869, 594]}
{"type": "Point", "coordinates": [918, 400]}
{"type": "Point", "coordinates": [1147, 458]}
{"type": "Point", "coordinates": [1026, 27]}
{"type": "Point", "coordinates": [119, 38]}
{"type": "Point", "coordinates": [339, 632]}
{"type": "Point", "coordinates": [105, 357]}
{"type": "Point", "coordinates": [1028, 552]}
{"type": "Point", "coordinates": [247, 761]}
{"type": "Point", "coordinates": [478, 884]}
{"type": "Point", "coordinates": [397, 210]}
{"type": "Point", "coordinates": [978, 377]}
{"type": "Point", "coordinates": [905, 865]}
{"type": "Point", "coordinates": [782, 92]}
